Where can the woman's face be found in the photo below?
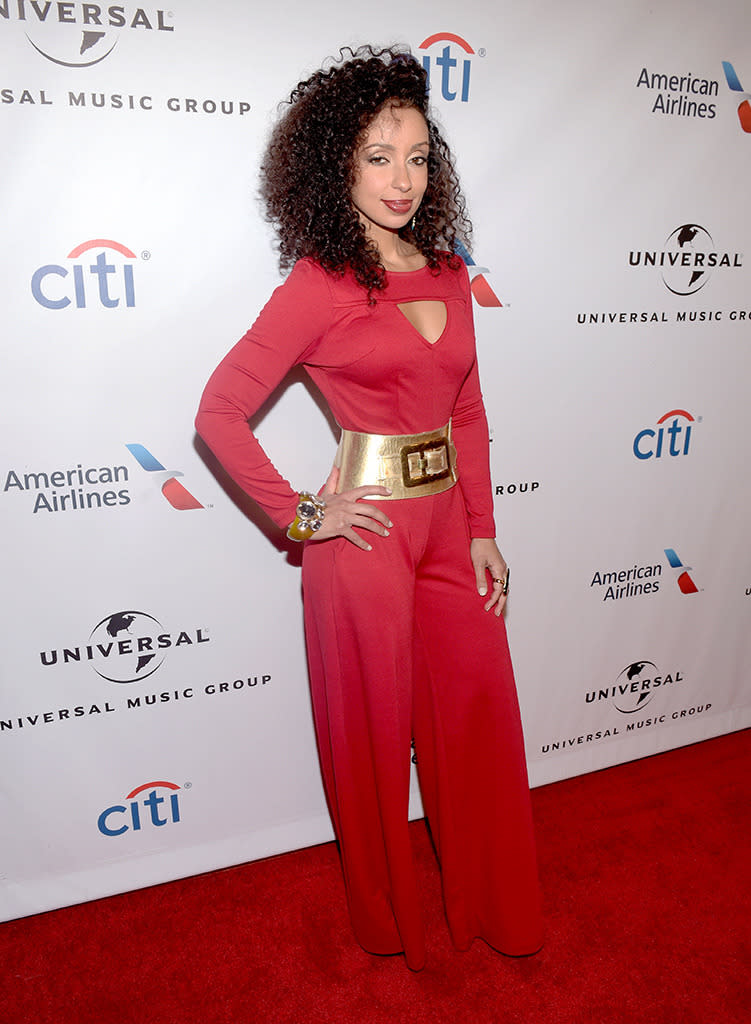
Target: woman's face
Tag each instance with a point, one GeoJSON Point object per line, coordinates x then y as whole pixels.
{"type": "Point", "coordinates": [391, 171]}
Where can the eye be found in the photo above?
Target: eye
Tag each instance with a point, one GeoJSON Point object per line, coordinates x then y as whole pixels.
{"type": "Point", "coordinates": [377, 160]}
{"type": "Point", "coordinates": [419, 160]}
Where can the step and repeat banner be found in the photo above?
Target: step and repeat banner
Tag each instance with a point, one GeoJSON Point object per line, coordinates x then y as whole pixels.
{"type": "Point", "coordinates": [154, 712]}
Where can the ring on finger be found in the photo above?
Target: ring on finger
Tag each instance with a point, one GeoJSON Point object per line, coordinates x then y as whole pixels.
{"type": "Point", "coordinates": [503, 583]}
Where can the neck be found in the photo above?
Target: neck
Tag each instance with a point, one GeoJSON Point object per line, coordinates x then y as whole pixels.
{"type": "Point", "coordinates": [397, 254]}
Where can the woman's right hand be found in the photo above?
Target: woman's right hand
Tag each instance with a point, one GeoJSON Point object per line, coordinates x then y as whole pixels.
{"type": "Point", "coordinates": [345, 511]}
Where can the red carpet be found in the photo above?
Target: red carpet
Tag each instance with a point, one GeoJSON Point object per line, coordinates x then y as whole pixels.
{"type": "Point", "coordinates": [645, 871]}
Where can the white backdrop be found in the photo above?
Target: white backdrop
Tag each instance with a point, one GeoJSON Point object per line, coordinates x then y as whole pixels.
{"type": "Point", "coordinates": [154, 714]}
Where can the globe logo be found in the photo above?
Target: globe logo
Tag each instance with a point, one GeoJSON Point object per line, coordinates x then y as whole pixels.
{"type": "Point", "coordinates": [630, 694]}
{"type": "Point", "coordinates": [68, 43]}
{"type": "Point", "coordinates": [687, 259]}
{"type": "Point", "coordinates": [126, 646]}
{"type": "Point", "coordinates": [74, 35]}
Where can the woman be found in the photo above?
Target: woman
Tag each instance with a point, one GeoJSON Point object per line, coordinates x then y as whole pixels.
{"type": "Point", "coordinates": [359, 183]}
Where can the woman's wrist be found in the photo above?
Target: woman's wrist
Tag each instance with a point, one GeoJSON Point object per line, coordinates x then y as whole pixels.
{"type": "Point", "coordinates": [308, 517]}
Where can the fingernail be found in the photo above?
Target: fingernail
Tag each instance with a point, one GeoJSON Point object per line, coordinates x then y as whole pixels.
{"type": "Point", "coordinates": [368, 548]}
{"type": "Point", "coordinates": [385, 533]}
{"type": "Point", "coordinates": [483, 591]}
{"type": "Point", "coordinates": [389, 523]}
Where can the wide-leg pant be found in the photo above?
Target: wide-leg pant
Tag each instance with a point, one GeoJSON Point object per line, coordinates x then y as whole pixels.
{"type": "Point", "coordinates": [399, 645]}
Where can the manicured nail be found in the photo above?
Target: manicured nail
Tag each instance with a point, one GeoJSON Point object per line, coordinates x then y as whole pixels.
{"type": "Point", "coordinates": [389, 523]}
{"type": "Point", "coordinates": [385, 533]}
{"type": "Point", "coordinates": [483, 591]}
{"type": "Point", "coordinates": [368, 547]}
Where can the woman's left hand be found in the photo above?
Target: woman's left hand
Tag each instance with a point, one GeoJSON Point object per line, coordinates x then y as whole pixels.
{"type": "Point", "coordinates": [486, 558]}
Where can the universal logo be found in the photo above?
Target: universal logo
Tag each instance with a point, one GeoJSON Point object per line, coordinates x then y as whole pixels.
{"type": "Point", "coordinates": [635, 687]}
{"type": "Point", "coordinates": [80, 35]}
{"type": "Point", "coordinates": [687, 260]}
{"type": "Point", "coordinates": [568, 743]}
{"type": "Point", "coordinates": [125, 647]}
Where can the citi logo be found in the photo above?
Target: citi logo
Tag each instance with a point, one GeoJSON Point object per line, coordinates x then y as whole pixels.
{"type": "Point", "coordinates": [153, 810]}
{"type": "Point", "coordinates": [682, 572]}
{"type": "Point", "coordinates": [744, 108]}
{"type": "Point", "coordinates": [672, 436]}
{"type": "Point", "coordinates": [483, 293]}
{"type": "Point", "coordinates": [166, 480]}
{"type": "Point", "coordinates": [107, 281]}
{"type": "Point", "coordinates": [454, 71]}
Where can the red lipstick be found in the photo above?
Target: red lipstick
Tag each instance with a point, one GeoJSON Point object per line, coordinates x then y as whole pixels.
{"type": "Point", "coordinates": [398, 205]}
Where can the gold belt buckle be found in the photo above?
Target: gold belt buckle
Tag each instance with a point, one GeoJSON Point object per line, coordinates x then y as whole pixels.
{"type": "Point", "coordinates": [425, 462]}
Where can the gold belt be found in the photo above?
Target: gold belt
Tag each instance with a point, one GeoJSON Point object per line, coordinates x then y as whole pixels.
{"type": "Point", "coordinates": [411, 465]}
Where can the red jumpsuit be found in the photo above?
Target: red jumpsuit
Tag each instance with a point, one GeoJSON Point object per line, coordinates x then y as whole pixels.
{"type": "Point", "coordinates": [399, 644]}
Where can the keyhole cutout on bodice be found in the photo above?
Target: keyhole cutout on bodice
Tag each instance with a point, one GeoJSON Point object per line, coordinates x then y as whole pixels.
{"type": "Point", "coordinates": [427, 316]}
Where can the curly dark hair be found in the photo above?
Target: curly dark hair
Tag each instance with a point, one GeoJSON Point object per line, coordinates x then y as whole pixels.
{"type": "Point", "coordinates": [308, 169]}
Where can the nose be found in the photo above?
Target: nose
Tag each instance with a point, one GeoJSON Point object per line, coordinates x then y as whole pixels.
{"type": "Point", "coordinates": [401, 179]}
